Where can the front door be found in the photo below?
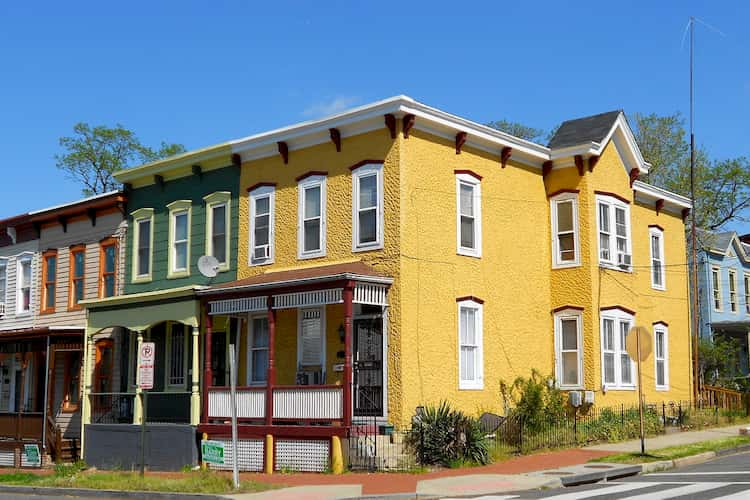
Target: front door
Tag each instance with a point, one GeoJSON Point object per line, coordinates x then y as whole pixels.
{"type": "Point", "coordinates": [368, 367]}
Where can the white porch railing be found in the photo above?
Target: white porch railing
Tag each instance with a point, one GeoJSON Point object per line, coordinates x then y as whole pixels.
{"type": "Point", "coordinates": [290, 403]}
{"type": "Point", "coordinates": [308, 403]}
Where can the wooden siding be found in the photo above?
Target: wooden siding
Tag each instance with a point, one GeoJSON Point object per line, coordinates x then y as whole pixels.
{"type": "Point", "coordinates": [12, 252]}
{"type": "Point", "coordinates": [186, 188]}
{"type": "Point", "coordinates": [80, 232]}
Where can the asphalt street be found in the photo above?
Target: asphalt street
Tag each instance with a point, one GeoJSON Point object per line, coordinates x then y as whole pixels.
{"type": "Point", "coordinates": [724, 477]}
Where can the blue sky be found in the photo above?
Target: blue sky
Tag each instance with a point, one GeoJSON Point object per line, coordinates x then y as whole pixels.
{"type": "Point", "coordinates": [199, 73]}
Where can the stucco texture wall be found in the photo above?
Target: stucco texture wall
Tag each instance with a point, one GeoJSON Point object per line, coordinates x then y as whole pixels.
{"type": "Point", "coordinates": [376, 145]}
{"type": "Point", "coordinates": [594, 287]}
{"type": "Point", "coordinates": [511, 277]}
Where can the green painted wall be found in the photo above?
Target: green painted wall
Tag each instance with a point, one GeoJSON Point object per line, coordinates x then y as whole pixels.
{"type": "Point", "coordinates": [192, 188]}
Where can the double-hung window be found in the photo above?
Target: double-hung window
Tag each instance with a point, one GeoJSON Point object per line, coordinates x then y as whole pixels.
{"type": "Point", "coordinates": [564, 214]}
{"type": "Point", "coordinates": [470, 346]}
{"type": "Point", "coordinates": [3, 284]}
{"type": "Point", "coordinates": [49, 281]}
{"type": "Point", "coordinates": [367, 207]}
{"type": "Point", "coordinates": [262, 218]}
{"type": "Point", "coordinates": [468, 215]}
{"type": "Point", "coordinates": [257, 372]}
{"type": "Point", "coordinates": [661, 357]}
{"type": "Point", "coordinates": [732, 290]}
{"type": "Point", "coordinates": [716, 287]}
{"type": "Point", "coordinates": [77, 275]}
{"type": "Point", "coordinates": [107, 267]}
{"type": "Point", "coordinates": [569, 349]}
{"type": "Point", "coordinates": [218, 224]}
{"type": "Point", "coordinates": [656, 236]}
{"type": "Point", "coordinates": [310, 353]}
{"type": "Point", "coordinates": [311, 217]}
{"type": "Point", "coordinates": [179, 238]}
{"type": "Point", "coordinates": [613, 224]}
{"type": "Point", "coordinates": [177, 342]}
{"type": "Point", "coordinates": [23, 284]}
{"type": "Point", "coordinates": [617, 367]}
{"type": "Point", "coordinates": [746, 283]}
{"type": "Point", "coordinates": [143, 236]}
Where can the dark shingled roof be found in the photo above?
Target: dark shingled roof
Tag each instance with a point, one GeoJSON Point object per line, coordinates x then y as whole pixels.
{"type": "Point", "coordinates": [581, 130]}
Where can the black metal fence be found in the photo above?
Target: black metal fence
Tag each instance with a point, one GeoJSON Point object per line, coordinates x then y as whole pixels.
{"type": "Point", "coordinates": [376, 446]}
{"type": "Point", "coordinates": [161, 407]}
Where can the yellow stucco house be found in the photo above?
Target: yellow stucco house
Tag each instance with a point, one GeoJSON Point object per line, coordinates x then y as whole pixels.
{"type": "Point", "coordinates": [395, 255]}
{"type": "Point", "coordinates": [470, 255]}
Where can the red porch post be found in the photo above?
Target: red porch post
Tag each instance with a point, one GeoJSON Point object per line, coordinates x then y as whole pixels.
{"type": "Point", "coordinates": [207, 370]}
{"type": "Point", "coordinates": [348, 299]}
{"type": "Point", "coordinates": [271, 374]}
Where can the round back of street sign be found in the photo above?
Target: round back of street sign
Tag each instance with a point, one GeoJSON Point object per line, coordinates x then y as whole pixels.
{"type": "Point", "coordinates": [636, 334]}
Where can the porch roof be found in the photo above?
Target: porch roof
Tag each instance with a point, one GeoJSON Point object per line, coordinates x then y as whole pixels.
{"type": "Point", "coordinates": [40, 332]}
{"type": "Point", "coordinates": [354, 271]}
{"type": "Point", "coordinates": [737, 326]}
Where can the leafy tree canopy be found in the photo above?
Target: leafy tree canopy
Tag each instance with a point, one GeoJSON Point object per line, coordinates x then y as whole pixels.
{"type": "Point", "coordinates": [92, 154]}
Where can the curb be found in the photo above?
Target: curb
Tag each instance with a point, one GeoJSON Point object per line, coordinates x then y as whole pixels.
{"type": "Point", "coordinates": [91, 493]}
{"type": "Point", "coordinates": [599, 475]}
{"type": "Point", "coordinates": [691, 460]}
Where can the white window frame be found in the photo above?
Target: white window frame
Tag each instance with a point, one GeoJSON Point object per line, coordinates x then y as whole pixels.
{"type": "Point", "coordinates": [661, 328]}
{"type": "Point", "coordinates": [187, 334]}
{"type": "Point", "coordinates": [476, 185]}
{"type": "Point", "coordinates": [655, 232]}
{"type": "Point", "coordinates": [732, 283]}
{"type": "Point", "coordinates": [359, 173]}
{"type": "Point", "coordinates": [323, 342]}
{"type": "Point", "coordinates": [4, 280]}
{"type": "Point", "coordinates": [177, 208]}
{"type": "Point", "coordinates": [215, 200]}
{"type": "Point", "coordinates": [311, 182]}
{"type": "Point", "coordinates": [257, 194]}
{"type": "Point", "coordinates": [250, 341]}
{"type": "Point", "coordinates": [567, 315]}
{"type": "Point", "coordinates": [746, 283]}
{"type": "Point", "coordinates": [716, 292]}
{"type": "Point", "coordinates": [139, 216]}
{"type": "Point", "coordinates": [557, 262]}
{"type": "Point", "coordinates": [612, 204]}
{"type": "Point", "coordinates": [24, 258]}
{"type": "Point", "coordinates": [618, 316]}
{"type": "Point", "coordinates": [478, 382]}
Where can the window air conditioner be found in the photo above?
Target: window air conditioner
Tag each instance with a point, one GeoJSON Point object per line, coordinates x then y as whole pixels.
{"type": "Point", "coordinates": [624, 260]}
{"type": "Point", "coordinates": [588, 397]}
{"type": "Point", "coordinates": [310, 377]}
{"type": "Point", "coordinates": [262, 252]}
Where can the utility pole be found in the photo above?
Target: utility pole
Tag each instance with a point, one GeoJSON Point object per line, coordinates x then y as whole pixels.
{"type": "Point", "coordinates": [693, 245]}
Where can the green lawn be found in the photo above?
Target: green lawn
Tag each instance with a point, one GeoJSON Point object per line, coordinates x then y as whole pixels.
{"type": "Point", "coordinates": [188, 482]}
{"type": "Point", "coordinates": [676, 451]}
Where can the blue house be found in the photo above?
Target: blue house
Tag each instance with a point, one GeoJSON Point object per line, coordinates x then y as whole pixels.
{"type": "Point", "coordinates": [724, 289]}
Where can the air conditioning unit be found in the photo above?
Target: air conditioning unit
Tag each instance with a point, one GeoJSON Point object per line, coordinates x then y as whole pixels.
{"type": "Point", "coordinates": [575, 398]}
{"type": "Point", "coordinates": [262, 252]}
{"type": "Point", "coordinates": [624, 260]}
{"type": "Point", "coordinates": [588, 397]}
{"type": "Point", "coordinates": [310, 377]}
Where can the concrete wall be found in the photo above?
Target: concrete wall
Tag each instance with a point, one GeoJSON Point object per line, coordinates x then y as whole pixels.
{"type": "Point", "coordinates": [169, 447]}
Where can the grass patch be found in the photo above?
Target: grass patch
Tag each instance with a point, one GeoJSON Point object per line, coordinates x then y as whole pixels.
{"type": "Point", "coordinates": [76, 477]}
{"type": "Point", "coordinates": [673, 452]}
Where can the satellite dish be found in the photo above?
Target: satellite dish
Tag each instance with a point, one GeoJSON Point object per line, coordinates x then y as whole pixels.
{"type": "Point", "coordinates": [208, 266]}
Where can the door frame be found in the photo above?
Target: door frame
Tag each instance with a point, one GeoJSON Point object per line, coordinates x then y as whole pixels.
{"type": "Point", "coordinates": [384, 317]}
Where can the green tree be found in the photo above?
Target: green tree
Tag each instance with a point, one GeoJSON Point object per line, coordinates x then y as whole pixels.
{"type": "Point", "coordinates": [92, 154]}
{"type": "Point", "coordinates": [518, 130]}
{"type": "Point", "coordinates": [722, 187]}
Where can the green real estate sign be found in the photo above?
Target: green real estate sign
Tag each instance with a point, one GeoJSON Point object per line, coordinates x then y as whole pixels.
{"type": "Point", "coordinates": [212, 452]}
{"type": "Point", "coordinates": [32, 454]}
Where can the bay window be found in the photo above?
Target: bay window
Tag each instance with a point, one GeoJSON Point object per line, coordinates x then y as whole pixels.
{"type": "Point", "coordinates": [564, 215]}
{"type": "Point", "coordinates": [617, 367]}
{"type": "Point", "coordinates": [613, 225]}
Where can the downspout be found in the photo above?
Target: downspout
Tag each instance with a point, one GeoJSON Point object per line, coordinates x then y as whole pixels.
{"type": "Point", "coordinates": [46, 398]}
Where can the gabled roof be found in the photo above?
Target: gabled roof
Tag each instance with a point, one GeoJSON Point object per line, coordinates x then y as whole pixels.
{"type": "Point", "coordinates": [593, 128]}
{"type": "Point", "coordinates": [719, 243]}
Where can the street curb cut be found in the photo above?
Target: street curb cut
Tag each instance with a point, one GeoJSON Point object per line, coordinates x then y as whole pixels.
{"type": "Point", "coordinates": [596, 476]}
{"type": "Point", "coordinates": [90, 493]}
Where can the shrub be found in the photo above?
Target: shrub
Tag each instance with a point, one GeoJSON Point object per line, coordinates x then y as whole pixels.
{"type": "Point", "coordinates": [443, 436]}
{"type": "Point", "coordinates": [536, 401]}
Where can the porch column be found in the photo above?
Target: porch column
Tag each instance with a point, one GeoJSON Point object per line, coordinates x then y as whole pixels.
{"type": "Point", "coordinates": [348, 295]}
{"type": "Point", "coordinates": [137, 408]}
{"type": "Point", "coordinates": [271, 374]}
{"type": "Point", "coordinates": [207, 372]}
{"type": "Point", "coordinates": [88, 376]}
{"type": "Point", "coordinates": [195, 397]}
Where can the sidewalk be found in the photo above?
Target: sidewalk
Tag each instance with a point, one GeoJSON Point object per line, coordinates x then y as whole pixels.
{"type": "Point", "coordinates": [666, 440]}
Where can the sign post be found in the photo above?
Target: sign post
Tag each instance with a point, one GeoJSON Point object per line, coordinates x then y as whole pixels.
{"type": "Point", "coordinates": [233, 404]}
{"type": "Point", "coordinates": [146, 357]}
{"type": "Point", "coordinates": [638, 345]}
